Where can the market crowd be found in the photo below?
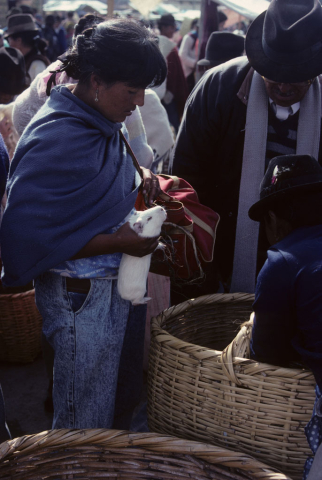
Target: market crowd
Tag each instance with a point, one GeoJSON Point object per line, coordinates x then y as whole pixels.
{"type": "Point", "coordinates": [242, 125]}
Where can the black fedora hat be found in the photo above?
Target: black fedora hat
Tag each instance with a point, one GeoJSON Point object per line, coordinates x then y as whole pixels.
{"type": "Point", "coordinates": [13, 78]}
{"type": "Point", "coordinates": [221, 47]}
{"type": "Point", "coordinates": [22, 22]}
{"type": "Point", "coordinates": [284, 43]}
{"type": "Point", "coordinates": [286, 176]}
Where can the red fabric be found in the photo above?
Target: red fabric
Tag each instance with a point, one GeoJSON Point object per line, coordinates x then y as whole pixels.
{"type": "Point", "coordinates": [176, 81]}
{"type": "Point", "coordinates": [185, 194]}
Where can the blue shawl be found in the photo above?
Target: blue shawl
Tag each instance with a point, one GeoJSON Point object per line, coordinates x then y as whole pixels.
{"type": "Point", "coordinates": [70, 179]}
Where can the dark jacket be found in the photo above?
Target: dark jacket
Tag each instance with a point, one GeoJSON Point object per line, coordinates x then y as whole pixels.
{"type": "Point", "coordinates": [288, 303]}
{"type": "Point", "coordinates": [209, 150]}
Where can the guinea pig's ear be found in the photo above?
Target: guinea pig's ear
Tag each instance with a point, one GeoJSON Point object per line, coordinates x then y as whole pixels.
{"type": "Point", "coordinates": [137, 227]}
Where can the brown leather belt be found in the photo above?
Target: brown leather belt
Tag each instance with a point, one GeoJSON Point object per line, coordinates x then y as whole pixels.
{"type": "Point", "coordinates": [78, 285]}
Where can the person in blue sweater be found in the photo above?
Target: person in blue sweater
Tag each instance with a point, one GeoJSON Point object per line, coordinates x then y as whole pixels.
{"type": "Point", "coordinates": [287, 327]}
{"type": "Point", "coordinates": [71, 188]}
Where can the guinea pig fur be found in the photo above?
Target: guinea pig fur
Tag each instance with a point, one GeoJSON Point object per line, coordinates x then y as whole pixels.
{"type": "Point", "coordinates": [133, 271]}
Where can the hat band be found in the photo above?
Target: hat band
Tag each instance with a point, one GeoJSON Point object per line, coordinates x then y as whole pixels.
{"type": "Point", "coordinates": [312, 179]}
{"type": "Point", "coordinates": [27, 27]}
{"type": "Point", "coordinates": [289, 58]}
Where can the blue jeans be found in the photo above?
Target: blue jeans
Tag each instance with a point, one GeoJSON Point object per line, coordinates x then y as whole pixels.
{"type": "Point", "coordinates": [98, 343]}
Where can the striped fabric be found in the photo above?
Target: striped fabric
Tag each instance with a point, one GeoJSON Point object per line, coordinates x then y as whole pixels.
{"type": "Point", "coordinates": [281, 135]}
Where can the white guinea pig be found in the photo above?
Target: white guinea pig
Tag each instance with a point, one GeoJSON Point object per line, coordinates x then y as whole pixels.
{"type": "Point", "coordinates": [133, 271]}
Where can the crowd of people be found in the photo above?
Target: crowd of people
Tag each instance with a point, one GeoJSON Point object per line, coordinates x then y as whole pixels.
{"type": "Point", "coordinates": [247, 136]}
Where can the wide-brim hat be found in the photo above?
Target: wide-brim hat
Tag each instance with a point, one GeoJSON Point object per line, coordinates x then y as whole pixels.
{"type": "Point", "coordinates": [286, 176]}
{"type": "Point", "coordinates": [13, 78]}
{"type": "Point", "coordinates": [284, 44]}
{"type": "Point", "coordinates": [20, 23]}
{"type": "Point", "coordinates": [221, 47]}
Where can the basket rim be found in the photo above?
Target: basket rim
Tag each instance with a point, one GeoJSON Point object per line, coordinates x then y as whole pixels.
{"type": "Point", "coordinates": [182, 345]}
{"type": "Point", "coordinates": [18, 295]}
{"type": "Point", "coordinates": [157, 443]}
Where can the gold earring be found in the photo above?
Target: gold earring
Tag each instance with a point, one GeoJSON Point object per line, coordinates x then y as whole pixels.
{"type": "Point", "coordinates": [96, 96]}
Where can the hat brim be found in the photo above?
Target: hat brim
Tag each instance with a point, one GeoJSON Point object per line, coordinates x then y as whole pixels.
{"type": "Point", "coordinates": [258, 210]}
{"type": "Point", "coordinates": [206, 63]}
{"type": "Point", "coordinates": [278, 72]}
{"type": "Point", "coordinates": [214, 63]}
{"type": "Point", "coordinates": [13, 31]}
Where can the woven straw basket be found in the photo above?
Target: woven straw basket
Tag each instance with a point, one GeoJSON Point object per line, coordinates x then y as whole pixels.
{"type": "Point", "coordinates": [20, 327]}
{"type": "Point", "coordinates": [200, 393]}
{"type": "Point", "coordinates": [88, 454]}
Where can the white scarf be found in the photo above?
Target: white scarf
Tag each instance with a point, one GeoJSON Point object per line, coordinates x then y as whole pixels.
{"type": "Point", "coordinates": [308, 142]}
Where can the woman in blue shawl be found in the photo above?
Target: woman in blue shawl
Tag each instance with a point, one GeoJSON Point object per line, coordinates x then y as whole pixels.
{"type": "Point", "coordinates": [72, 186]}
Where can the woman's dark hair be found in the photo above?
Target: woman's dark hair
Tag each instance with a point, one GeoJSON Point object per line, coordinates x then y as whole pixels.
{"type": "Point", "coordinates": [116, 51]}
{"type": "Point", "coordinates": [300, 211]}
{"type": "Point", "coordinates": [31, 39]}
{"type": "Point", "coordinates": [87, 21]}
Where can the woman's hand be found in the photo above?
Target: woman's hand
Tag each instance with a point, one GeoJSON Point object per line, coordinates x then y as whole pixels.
{"type": "Point", "coordinates": [129, 242]}
{"type": "Point", "coordinates": [151, 186]}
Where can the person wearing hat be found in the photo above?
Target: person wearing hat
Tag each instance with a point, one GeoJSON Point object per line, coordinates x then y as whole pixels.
{"type": "Point", "coordinates": [287, 324]}
{"type": "Point", "coordinates": [23, 34]}
{"type": "Point", "coordinates": [222, 47]}
{"type": "Point", "coordinates": [244, 113]}
{"type": "Point", "coordinates": [175, 93]}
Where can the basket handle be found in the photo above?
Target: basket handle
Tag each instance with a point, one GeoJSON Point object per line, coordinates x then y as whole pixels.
{"type": "Point", "coordinates": [239, 347]}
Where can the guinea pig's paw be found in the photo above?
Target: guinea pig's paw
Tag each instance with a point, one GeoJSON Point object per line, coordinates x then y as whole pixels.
{"type": "Point", "coordinates": [142, 301]}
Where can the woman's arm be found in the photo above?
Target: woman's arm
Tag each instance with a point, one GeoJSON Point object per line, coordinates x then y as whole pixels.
{"type": "Point", "coordinates": [124, 240]}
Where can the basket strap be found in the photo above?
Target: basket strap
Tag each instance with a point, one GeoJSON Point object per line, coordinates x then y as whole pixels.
{"type": "Point", "coordinates": [239, 347]}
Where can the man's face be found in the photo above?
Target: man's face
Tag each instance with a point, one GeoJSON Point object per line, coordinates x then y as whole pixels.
{"type": "Point", "coordinates": [167, 30]}
{"type": "Point", "coordinates": [286, 94]}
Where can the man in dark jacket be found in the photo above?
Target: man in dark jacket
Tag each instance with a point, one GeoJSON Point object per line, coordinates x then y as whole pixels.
{"type": "Point", "coordinates": [245, 112]}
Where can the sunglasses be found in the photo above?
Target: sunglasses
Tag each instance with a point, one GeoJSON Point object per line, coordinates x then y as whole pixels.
{"type": "Point", "coordinates": [306, 83]}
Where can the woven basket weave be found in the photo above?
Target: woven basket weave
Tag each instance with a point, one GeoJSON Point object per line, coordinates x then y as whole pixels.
{"type": "Point", "coordinates": [196, 391]}
{"type": "Point", "coordinates": [20, 327]}
{"type": "Point", "coordinates": [88, 454]}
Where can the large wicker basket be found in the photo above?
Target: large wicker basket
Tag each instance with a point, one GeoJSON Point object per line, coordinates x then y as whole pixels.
{"type": "Point", "coordinates": [20, 327]}
{"type": "Point", "coordinates": [196, 392]}
{"type": "Point", "coordinates": [88, 454]}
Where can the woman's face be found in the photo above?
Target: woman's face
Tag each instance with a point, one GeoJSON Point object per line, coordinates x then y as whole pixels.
{"type": "Point", "coordinates": [118, 101]}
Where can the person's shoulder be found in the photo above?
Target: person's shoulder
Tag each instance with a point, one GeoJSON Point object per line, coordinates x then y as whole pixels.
{"type": "Point", "coordinates": [235, 69]}
{"type": "Point", "coordinates": [221, 82]}
{"type": "Point", "coordinates": [302, 245]}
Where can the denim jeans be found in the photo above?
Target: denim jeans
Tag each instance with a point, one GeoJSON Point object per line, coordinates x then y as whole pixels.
{"type": "Point", "coordinates": [97, 338]}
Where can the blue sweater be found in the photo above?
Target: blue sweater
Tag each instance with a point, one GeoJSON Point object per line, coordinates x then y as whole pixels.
{"type": "Point", "coordinates": [70, 179]}
{"type": "Point", "coordinates": [288, 303]}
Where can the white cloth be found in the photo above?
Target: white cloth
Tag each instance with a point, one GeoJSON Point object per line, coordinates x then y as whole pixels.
{"type": "Point", "coordinates": [308, 142]}
{"type": "Point", "coordinates": [282, 113]}
{"type": "Point", "coordinates": [36, 67]}
{"type": "Point", "coordinates": [156, 124]}
{"type": "Point", "coordinates": [187, 54]}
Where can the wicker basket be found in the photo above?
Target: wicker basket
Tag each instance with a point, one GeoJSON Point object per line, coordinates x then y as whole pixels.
{"type": "Point", "coordinates": [20, 327]}
{"type": "Point", "coordinates": [196, 392]}
{"type": "Point", "coordinates": [88, 454]}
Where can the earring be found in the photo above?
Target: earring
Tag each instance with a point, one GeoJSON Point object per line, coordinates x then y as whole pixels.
{"type": "Point", "coordinates": [96, 96]}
